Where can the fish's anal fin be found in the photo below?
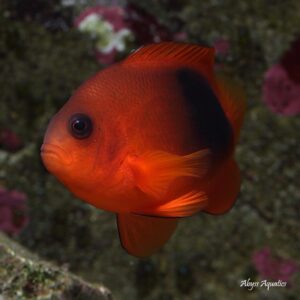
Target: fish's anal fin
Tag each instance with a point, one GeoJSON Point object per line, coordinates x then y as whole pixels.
{"type": "Point", "coordinates": [142, 236]}
{"type": "Point", "coordinates": [154, 171]}
{"type": "Point", "coordinates": [225, 187]}
{"type": "Point", "coordinates": [183, 206]}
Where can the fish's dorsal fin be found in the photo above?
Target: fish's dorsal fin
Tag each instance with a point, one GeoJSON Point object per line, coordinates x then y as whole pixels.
{"type": "Point", "coordinates": [181, 54]}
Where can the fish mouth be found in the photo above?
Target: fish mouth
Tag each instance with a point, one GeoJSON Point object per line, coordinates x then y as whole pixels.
{"type": "Point", "coordinates": [54, 152]}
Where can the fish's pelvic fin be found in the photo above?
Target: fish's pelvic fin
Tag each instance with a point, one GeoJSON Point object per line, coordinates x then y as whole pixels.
{"type": "Point", "coordinates": [154, 171]}
{"type": "Point", "coordinates": [225, 187]}
{"type": "Point", "coordinates": [183, 206]}
{"type": "Point", "coordinates": [141, 236]}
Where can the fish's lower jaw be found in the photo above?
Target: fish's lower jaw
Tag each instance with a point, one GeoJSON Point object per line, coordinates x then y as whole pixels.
{"type": "Point", "coordinates": [56, 160]}
{"type": "Point", "coordinates": [51, 162]}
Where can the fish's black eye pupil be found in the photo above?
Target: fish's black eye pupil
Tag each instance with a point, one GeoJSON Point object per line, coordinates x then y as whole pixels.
{"type": "Point", "coordinates": [80, 126]}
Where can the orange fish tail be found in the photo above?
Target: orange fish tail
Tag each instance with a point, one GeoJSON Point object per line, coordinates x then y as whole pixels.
{"type": "Point", "coordinates": [224, 188]}
{"type": "Point", "coordinates": [233, 101]}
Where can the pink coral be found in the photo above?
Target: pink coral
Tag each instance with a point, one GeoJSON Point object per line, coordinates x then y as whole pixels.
{"type": "Point", "coordinates": [106, 59]}
{"type": "Point", "coordinates": [108, 27]}
{"type": "Point", "coordinates": [281, 88]}
{"type": "Point", "coordinates": [13, 211]}
{"type": "Point", "coordinates": [9, 140]}
{"type": "Point", "coordinates": [222, 46]}
{"type": "Point", "coordinates": [274, 268]}
{"type": "Point", "coordinates": [112, 14]}
{"type": "Point", "coordinates": [280, 93]}
{"type": "Point", "coordinates": [114, 27]}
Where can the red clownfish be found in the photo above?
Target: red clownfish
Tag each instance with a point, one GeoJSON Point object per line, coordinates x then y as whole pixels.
{"type": "Point", "coordinates": [152, 139]}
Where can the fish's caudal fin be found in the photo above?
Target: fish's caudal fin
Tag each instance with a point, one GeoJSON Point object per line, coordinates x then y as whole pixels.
{"type": "Point", "coordinates": [224, 188]}
{"type": "Point", "coordinates": [233, 101]}
{"type": "Point", "coordinates": [154, 171]}
{"type": "Point", "coordinates": [141, 236]}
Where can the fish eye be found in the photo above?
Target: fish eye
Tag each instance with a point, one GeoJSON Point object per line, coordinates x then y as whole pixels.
{"type": "Point", "coordinates": [80, 126]}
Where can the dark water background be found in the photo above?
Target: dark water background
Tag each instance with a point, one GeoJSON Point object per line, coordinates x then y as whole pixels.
{"type": "Point", "coordinates": [43, 58]}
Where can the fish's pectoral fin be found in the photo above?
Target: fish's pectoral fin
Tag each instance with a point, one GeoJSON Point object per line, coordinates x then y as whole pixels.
{"type": "Point", "coordinates": [154, 171]}
{"type": "Point", "coordinates": [183, 206]}
{"type": "Point", "coordinates": [141, 236]}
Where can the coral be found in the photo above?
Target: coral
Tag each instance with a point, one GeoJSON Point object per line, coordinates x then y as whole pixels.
{"type": "Point", "coordinates": [281, 89]}
{"type": "Point", "coordinates": [222, 46]}
{"type": "Point", "coordinates": [13, 211]}
{"type": "Point", "coordinates": [272, 267]}
{"type": "Point", "coordinates": [115, 28]}
{"type": "Point", "coordinates": [9, 140]}
{"type": "Point", "coordinates": [109, 29]}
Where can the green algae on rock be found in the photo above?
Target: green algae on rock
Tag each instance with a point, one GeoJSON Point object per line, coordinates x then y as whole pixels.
{"type": "Point", "coordinates": [23, 276]}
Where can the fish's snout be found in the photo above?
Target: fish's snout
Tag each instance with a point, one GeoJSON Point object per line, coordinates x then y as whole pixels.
{"type": "Point", "coordinates": [51, 153]}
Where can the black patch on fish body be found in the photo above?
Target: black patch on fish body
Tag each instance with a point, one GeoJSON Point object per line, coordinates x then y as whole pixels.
{"type": "Point", "coordinates": [205, 111]}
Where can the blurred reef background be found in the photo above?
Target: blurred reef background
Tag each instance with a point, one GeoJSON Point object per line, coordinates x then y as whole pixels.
{"type": "Point", "coordinates": [47, 48]}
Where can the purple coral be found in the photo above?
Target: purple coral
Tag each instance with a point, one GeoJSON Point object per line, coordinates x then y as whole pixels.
{"type": "Point", "coordinates": [13, 211]}
{"type": "Point", "coordinates": [274, 268]}
{"type": "Point", "coordinates": [281, 88]}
